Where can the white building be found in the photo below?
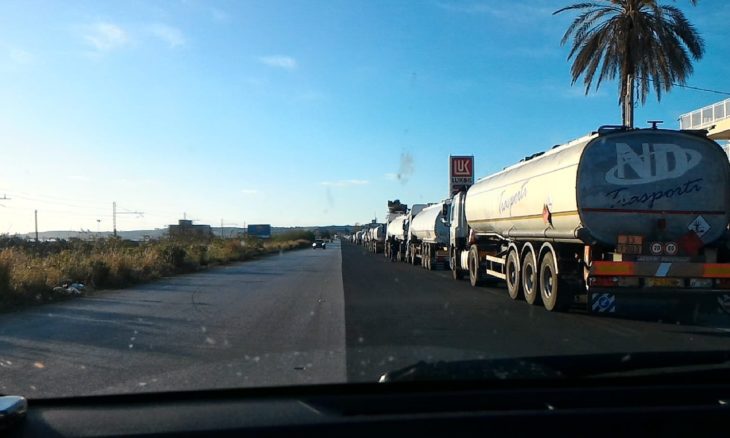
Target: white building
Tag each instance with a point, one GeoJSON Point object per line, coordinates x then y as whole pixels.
{"type": "Point", "coordinates": [714, 118]}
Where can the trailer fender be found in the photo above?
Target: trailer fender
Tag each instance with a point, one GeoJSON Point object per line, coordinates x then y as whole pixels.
{"type": "Point", "coordinates": [513, 246]}
{"type": "Point", "coordinates": [528, 248]}
{"type": "Point", "coordinates": [548, 247]}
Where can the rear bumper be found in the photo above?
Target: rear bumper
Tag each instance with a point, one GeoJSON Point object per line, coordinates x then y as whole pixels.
{"type": "Point", "coordinates": [697, 305]}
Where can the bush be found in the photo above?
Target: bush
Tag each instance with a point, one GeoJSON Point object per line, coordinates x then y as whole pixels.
{"type": "Point", "coordinates": [5, 274]}
{"type": "Point", "coordinates": [174, 255]}
{"type": "Point", "coordinates": [100, 272]}
{"type": "Point", "coordinates": [289, 236]}
{"type": "Point", "coordinates": [30, 270]}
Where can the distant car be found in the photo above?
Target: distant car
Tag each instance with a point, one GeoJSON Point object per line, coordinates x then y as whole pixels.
{"type": "Point", "coordinates": [319, 243]}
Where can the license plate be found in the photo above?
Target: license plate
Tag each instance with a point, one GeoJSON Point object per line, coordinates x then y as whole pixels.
{"type": "Point", "coordinates": [664, 282]}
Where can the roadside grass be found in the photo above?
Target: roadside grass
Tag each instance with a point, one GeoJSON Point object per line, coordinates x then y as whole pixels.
{"type": "Point", "coordinates": [29, 271]}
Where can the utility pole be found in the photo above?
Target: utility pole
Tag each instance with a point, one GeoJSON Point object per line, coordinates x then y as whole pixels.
{"type": "Point", "coordinates": [36, 225]}
{"type": "Point", "coordinates": [114, 215]}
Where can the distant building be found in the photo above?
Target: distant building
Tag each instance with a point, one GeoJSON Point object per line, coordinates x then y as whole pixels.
{"type": "Point", "coordinates": [186, 228]}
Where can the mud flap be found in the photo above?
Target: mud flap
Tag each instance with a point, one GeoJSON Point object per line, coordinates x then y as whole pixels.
{"type": "Point", "coordinates": [686, 306]}
{"type": "Point", "coordinates": [603, 303]}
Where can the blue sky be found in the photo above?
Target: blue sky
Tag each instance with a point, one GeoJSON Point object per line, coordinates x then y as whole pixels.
{"type": "Point", "coordinates": [287, 112]}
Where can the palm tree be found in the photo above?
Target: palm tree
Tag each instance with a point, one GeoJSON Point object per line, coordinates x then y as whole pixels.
{"type": "Point", "coordinates": [636, 40]}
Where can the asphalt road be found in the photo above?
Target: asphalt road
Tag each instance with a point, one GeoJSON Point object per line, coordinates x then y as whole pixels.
{"type": "Point", "coordinates": [273, 321]}
{"type": "Point", "coordinates": [309, 316]}
{"type": "Point", "coordinates": [398, 314]}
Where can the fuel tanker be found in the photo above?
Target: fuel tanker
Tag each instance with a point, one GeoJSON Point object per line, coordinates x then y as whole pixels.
{"type": "Point", "coordinates": [429, 240]}
{"type": "Point", "coordinates": [617, 212]}
{"type": "Point", "coordinates": [396, 233]}
{"type": "Point", "coordinates": [376, 238]}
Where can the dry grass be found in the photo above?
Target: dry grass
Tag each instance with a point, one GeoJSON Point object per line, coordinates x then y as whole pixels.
{"type": "Point", "coordinates": [29, 272]}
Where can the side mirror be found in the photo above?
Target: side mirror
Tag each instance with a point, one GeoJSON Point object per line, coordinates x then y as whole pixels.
{"type": "Point", "coordinates": [445, 210]}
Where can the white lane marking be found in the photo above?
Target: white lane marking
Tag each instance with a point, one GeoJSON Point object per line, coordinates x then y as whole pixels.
{"type": "Point", "coordinates": [722, 329]}
{"type": "Point", "coordinates": [663, 269]}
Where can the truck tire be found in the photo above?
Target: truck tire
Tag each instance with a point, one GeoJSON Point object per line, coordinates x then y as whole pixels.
{"type": "Point", "coordinates": [429, 258]}
{"type": "Point", "coordinates": [554, 293]}
{"type": "Point", "coordinates": [475, 277]}
{"type": "Point", "coordinates": [456, 272]}
{"type": "Point", "coordinates": [529, 279]}
{"type": "Point", "coordinates": [513, 274]}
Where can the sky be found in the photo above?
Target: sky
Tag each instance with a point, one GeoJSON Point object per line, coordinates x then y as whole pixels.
{"type": "Point", "coordinates": [288, 112]}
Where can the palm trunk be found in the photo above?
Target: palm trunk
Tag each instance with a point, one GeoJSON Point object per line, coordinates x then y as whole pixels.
{"type": "Point", "coordinates": [628, 102]}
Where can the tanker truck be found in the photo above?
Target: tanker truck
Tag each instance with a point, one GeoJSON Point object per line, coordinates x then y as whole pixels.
{"type": "Point", "coordinates": [397, 211]}
{"type": "Point", "coordinates": [410, 256]}
{"type": "Point", "coordinates": [376, 238]}
{"type": "Point", "coordinates": [599, 221]}
{"type": "Point", "coordinates": [430, 237]}
{"type": "Point", "coordinates": [396, 230]}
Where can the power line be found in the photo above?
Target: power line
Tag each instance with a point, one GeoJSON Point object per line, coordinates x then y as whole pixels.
{"type": "Point", "coordinates": [39, 197]}
{"type": "Point", "coordinates": [690, 87]}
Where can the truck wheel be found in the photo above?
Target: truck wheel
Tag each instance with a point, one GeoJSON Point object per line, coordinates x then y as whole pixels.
{"type": "Point", "coordinates": [475, 277]}
{"type": "Point", "coordinates": [554, 294]}
{"type": "Point", "coordinates": [429, 258]}
{"type": "Point", "coordinates": [529, 279]}
{"type": "Point", "coordinates": [512, 271]}
{"type": "Point", "coordinates": [456, 273]}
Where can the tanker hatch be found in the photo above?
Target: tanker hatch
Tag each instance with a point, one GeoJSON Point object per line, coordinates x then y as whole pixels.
{"type": "Point", "coordinates": [654, 123]}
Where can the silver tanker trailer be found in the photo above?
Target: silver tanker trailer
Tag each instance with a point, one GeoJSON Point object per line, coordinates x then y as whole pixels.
{"type": "Point", "coordinates": [616, 213]}
{"type": "Point", "coordinates": [376, 238]}
{"type": "Point", "coordinates": [396, 230]}
{"type": "Point", "coordinates": [415, 209]}
{"type": "Point", "coordinates": [430, 237]}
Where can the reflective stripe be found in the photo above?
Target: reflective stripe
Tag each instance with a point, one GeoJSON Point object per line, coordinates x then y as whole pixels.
{"type": "Point", "coordinates": [716, 270]}
{"type": "Point", "coordinates": [612, 268]}
{"type": "Point", "coordinates": [663, 269]}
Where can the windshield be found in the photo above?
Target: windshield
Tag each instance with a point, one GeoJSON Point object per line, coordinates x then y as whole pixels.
{"type": "Point", "coordinates": [233, 194]}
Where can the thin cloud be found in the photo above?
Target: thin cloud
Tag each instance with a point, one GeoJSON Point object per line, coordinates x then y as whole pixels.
{"type": "Point", "coordinates": [249, 191]}
{"type": "Point", "coordinates": [219, 15]}
{"type": "Point", "coordinates": [171, 35]}
{"type": "Point", "coordinates": [19, 56]}
{"type": "Point", "coordinates": [520, 12]}
{"type": "Point", "coordinates": [279, 61]}
{"type": "Point", "coordinates": [310, 96]}
{"type": "Point", "coordinates": [578, 91]}
{"type": "Point", "coordinates": [345, 183]}
{"type": "Point", "coordinates": [390, 176]}
{"type": "Point", "coordinates": [104, 36]}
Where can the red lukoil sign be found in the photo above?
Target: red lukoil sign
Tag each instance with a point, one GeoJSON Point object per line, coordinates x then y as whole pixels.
{"type": "Point", "coordinates": [461, 173]}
